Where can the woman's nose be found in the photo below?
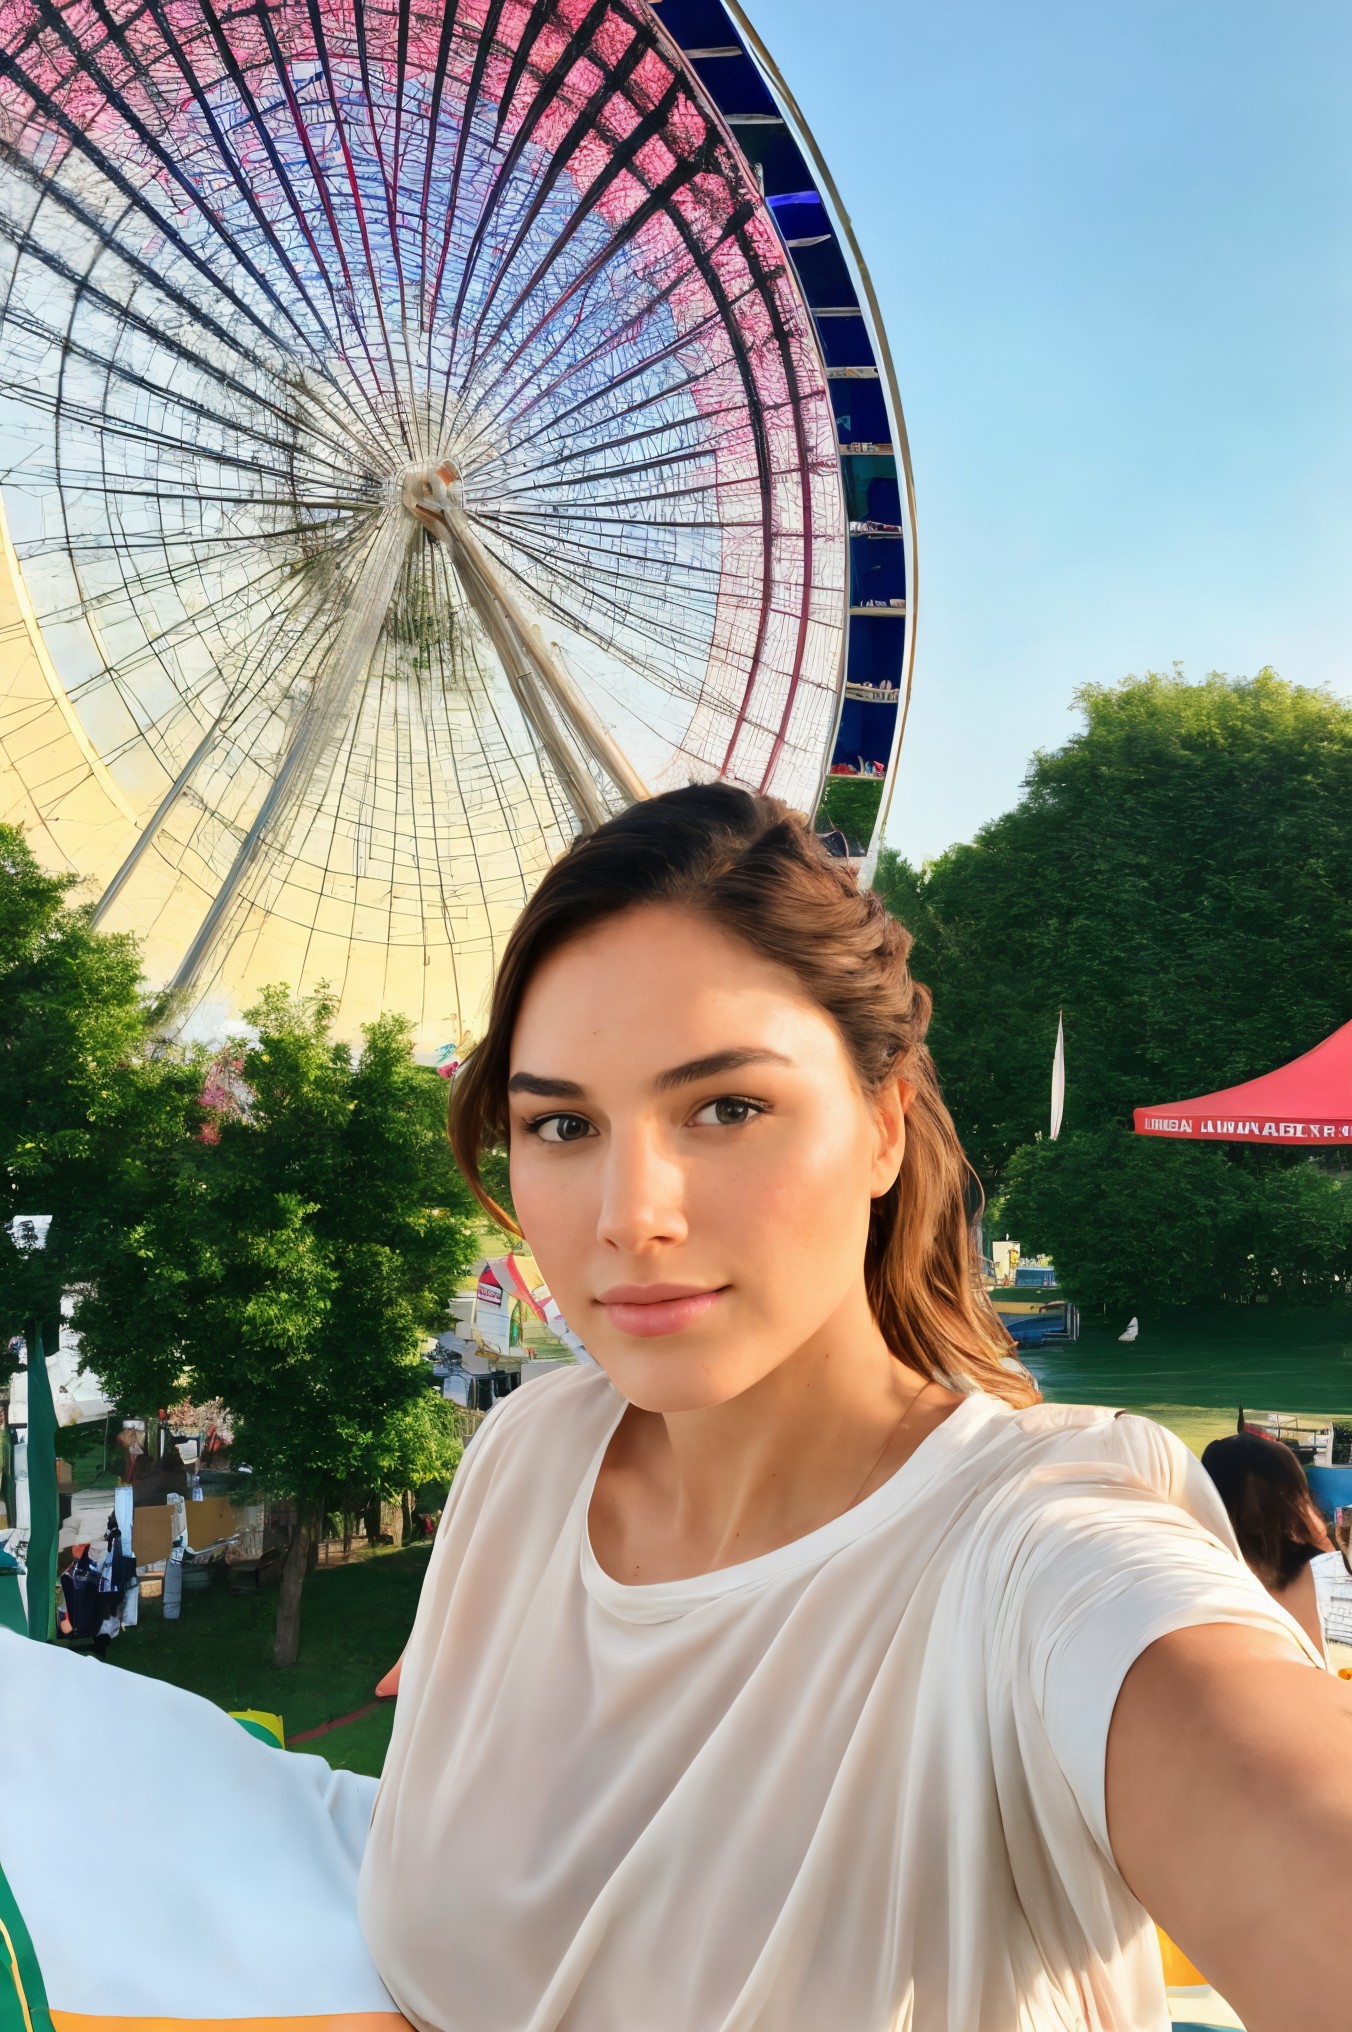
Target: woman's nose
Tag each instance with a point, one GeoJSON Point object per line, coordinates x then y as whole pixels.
{"type": "Point", "coordinates": [642, 1193]}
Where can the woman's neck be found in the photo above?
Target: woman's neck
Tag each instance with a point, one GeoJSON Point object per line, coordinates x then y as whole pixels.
{"type": "Point", "coordinates": [689, 1492]}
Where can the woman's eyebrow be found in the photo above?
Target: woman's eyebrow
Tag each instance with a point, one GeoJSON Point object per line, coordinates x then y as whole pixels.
{"type": "Point", "coordinates": [546, 1089]}
{"type": "Point", "coordinates": [685, 1075]}
{"type": "Point", "coordinates": [716, 1062]}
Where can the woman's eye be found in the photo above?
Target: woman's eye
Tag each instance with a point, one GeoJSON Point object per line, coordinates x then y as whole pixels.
{"type": "Point", "coordinates": [561, 1128]}
{"type": "Point", "coordinates": [728, 1112]}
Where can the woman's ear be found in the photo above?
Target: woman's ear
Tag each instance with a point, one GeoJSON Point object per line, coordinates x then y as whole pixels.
{"type": "Point", "coordinates": [889, 1125]}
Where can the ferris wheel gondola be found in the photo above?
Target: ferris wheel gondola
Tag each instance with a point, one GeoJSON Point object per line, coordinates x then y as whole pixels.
{"type": "Point", "coordinates": [426, 428]}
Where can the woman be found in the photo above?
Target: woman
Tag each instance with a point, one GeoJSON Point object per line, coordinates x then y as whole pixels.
{"type": "Point", "coordinates": [794, 1669]}
{"type": "Point", "coordinates": [1280, 1532]}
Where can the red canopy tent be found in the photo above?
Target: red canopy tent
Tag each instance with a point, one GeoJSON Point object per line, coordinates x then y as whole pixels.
{"type": "Point", "coordinates": [1308, 1101]}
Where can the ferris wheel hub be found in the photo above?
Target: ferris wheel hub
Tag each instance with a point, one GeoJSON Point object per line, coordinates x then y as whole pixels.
{"type": "Point", "coordinates": [429, 486]}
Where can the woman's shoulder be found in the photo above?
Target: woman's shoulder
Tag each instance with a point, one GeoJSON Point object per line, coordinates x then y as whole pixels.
{"type": "Point", "coordinates": [1045, 1454]}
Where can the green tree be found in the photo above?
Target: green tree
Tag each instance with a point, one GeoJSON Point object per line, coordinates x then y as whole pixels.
{"type": "Point", "coordinates": [1128, 1221]}
{"type": "Point", "coordinates": [1300, 1235]}
{"type": "Point", "coordinates": [420, 1447]}
{"type": "Point", "coordinates": [311, 1240]}
{"type": "Point", "coordinates": [1177, 878]}
{"type": "Point", "coordinates": [1132, 1223]}
{"type": "Point", "coordinates": [82, 1091]}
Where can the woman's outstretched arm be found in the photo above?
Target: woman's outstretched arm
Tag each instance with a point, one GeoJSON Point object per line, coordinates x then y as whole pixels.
{"type": "Point", "coordinates": [1229, 1795]}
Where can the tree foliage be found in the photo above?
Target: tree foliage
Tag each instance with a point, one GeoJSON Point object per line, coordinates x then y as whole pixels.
{"type": "Point", "coordinates": [84, 1100]}
{"type": "Point", "coordinates": [314, 1237]}
{"type": "Point", "coordinates": [1133, 1223]}
{"type": "Point", "coordinates": [1177, 878]}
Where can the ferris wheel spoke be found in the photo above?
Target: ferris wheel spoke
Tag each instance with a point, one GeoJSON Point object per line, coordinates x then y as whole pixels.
{"type": "Point", "coordinates": [30, 248]}
{"type": "Point", "coordinates": [550, 337]}
{"type": "Point", "coordinates": [680, 415]}
{"type": "Point", "coordinates": [130, 431]}
{"type": "Point", "coordinates": [633, 634]}
{"type": "Point", "coordinates": [662, 392]}
{"type": "Point", "coordinates": [675, 180]}
{"type": "Point", "coordinates": [608, 348]}
{"type": "Point", "coordinates": [150, 831]}
{"type": "Point", "coordinates": [164, 157]}
{"type": "Point", "coordinates": [240, 183]}
{"type": "Point", "coordinates": [156, 645]}
{"type": "Point", "coordinates": [560, 344]}
{"type": "Point", "coordinates": [590, 484]}
{"type": "Point", "coordinates": [286, 189]}
{"type": "Point", "coordinates": [539, 451]}
{"type": "Point", "coordinates": [388, 184]}
{"type": "Point", "coordinates": [82, 144]}
{"type": "Point", "coordinates": [354, 323]}
{"type": "Point", "coordinates": [583, 126]}
{"type": "Point", "coordinates": [620, 236]}
{"type": "Point", "coordinates": [222, 617]}
{"type": "Point", "coordinates": [411, 441]}
{"type": "Point", "coordinates": [468, 109]}
{"type": "Point", "coordinates": [247, 423]}
{"type": "Point", "coordinates": [319, 721]}
{"type": "Point", "coordinates": [564, 724]}
{"type": "Point", "coordinates": [95, 484]}
{"type": "Point", "coordinates": [401, 71]}
{"type": "Point", "coordinates": [548, 86]}
{"type": "Point", "coordinates": [438, 76]}
{"type": "Point", "coordinates": [548, 83]}
{"type": "Point", "coordinates": [623, 160]}
{"type": "Point", "coordinates": [640, 601]}
{"type": "Point", "coordinates": [623, 639]}
{"type": "Point", "coordinates": [645, 615]}
{"type": "Point", "coordinates": [678, 562]}
{"type": "Point", "coordinates": [722, 309]}
{"type": "Point", "coordinates": [505, 769]}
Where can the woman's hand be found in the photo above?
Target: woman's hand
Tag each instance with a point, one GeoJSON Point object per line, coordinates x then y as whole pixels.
{"type": "Point", "coordinates": [1229, 1795]}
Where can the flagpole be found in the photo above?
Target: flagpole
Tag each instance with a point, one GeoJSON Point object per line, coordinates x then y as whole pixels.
{"type": "Point", "coordinates": [44, 1506]}
{"type": "Point", "coordinates": [28, 1232]}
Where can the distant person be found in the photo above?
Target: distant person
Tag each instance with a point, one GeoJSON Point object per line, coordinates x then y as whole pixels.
{"type": "Point", "coordinates": [1277, 1522]}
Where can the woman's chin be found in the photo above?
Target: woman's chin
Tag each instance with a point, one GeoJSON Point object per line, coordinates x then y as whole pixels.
{"type": "Point", "coordinates": [665, 1377]}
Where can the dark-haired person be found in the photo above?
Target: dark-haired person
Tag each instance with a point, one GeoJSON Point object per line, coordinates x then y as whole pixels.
{"type": "Point", "coordinates": [1276, 1521]}
{"type": "Point", "coordinates": [795, 1670]}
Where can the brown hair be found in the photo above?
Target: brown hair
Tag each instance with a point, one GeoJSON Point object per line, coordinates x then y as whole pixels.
{"type": "Point", "coordinates": [755, 868]}
{"type": "Point", "coordinates": [1268, 1500]}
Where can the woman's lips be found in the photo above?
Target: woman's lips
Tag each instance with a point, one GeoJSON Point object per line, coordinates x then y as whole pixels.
{"type": "Point", "coordinates": [660, 1316]}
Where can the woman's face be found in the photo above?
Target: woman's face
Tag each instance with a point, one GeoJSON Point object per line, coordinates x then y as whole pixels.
{"type": "Point", "coordinates": [692, 1158]}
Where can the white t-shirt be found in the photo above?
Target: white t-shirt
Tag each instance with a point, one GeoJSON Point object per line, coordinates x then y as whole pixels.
{"type": "Point", "coordinates": [854, 1785]}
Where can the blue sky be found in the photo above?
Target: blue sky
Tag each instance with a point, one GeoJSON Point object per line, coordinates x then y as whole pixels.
{"type": "Point", "coordinates": [1113, 244]}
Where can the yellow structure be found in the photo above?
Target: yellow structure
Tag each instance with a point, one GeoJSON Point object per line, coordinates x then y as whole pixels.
{"type": "Point", "coordinates": [364, 908]}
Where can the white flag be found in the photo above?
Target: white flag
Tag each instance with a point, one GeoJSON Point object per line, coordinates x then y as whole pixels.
{"type": "Point", "coordinates": [1058, 1078]}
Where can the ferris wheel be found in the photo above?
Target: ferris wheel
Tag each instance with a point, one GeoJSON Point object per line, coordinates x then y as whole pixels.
{"type": "Point", "coordinates": [424, 429]}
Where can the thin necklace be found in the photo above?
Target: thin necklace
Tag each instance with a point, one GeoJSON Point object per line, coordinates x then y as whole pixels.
{"type": "Point", "coordinates": [923, 1391]}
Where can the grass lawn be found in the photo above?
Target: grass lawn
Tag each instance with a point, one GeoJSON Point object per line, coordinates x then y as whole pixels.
{"type": "Point", "coordinates": [361, 1746]}
{"type": "Point", "coordinates": [355, 1622]}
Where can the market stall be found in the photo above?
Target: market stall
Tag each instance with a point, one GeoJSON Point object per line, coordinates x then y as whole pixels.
{"type": "Point", "coordinates": [1307, 1102]}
